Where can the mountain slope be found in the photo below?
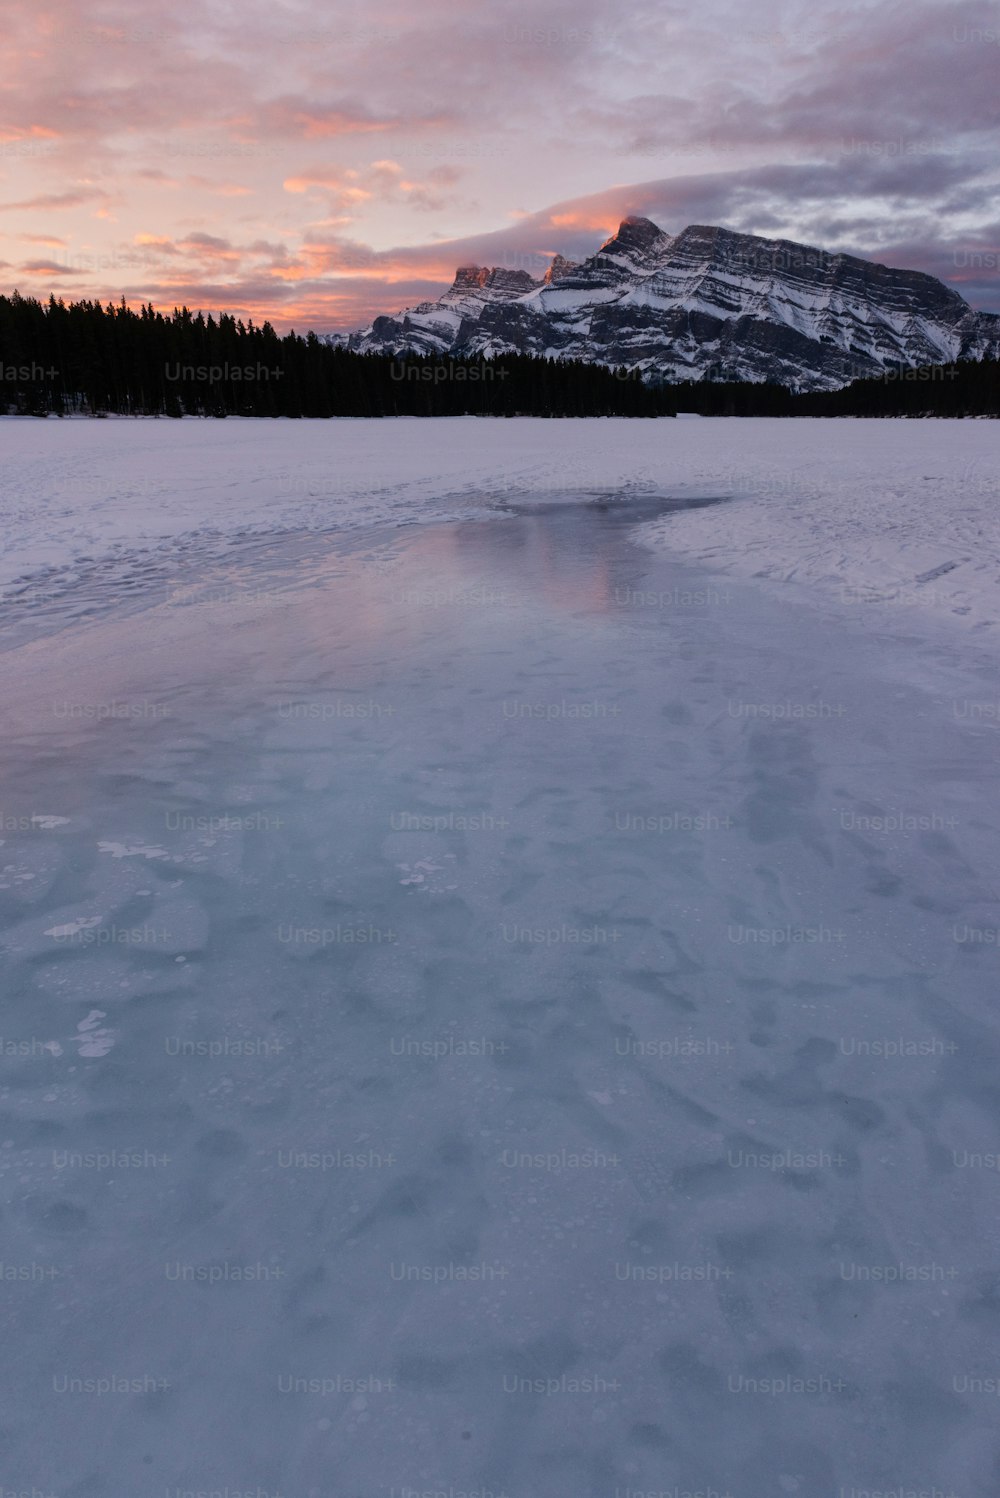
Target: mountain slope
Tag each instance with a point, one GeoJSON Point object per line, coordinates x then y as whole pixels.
{"type": "Point", "coordinates": [706, 303]}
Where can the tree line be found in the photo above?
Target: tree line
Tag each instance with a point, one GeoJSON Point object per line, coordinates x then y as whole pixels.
{"type": "Point", "coordinates": [85, 358]}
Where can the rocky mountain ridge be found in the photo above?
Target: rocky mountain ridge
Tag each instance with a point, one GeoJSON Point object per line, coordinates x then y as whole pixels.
{"type": "Point", "coordinates": [708, 303]}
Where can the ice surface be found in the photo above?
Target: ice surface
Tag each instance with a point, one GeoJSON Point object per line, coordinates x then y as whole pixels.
{"type": "Point", "coordinates": [863, 511]}
{"type": "Point", "coordinates": [500, 1010]}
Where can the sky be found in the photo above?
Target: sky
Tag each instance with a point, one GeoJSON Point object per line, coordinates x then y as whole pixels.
{"type": "Point", "coordinates": [316, 164]}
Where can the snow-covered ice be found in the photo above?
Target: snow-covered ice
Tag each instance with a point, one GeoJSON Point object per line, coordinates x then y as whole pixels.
{"type": "Point", "coordinates": [502, 1003]}
{"type": "Point", "coordinates": [898, 515]}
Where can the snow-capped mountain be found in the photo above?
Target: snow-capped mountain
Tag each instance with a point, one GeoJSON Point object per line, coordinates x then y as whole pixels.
{"type": "Point", "coordinates": [707, 303]}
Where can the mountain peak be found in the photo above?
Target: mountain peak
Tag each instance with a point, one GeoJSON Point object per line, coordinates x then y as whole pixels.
{"type": "Point", "coordinates": [634, 232]}
{"type": "Point", "coordinates": [491, 278]}
{"type": "Point", "coordinates": [558, 267]}
{"type": "Point", "coordinates": [471, 275]}
{"type": "Point", "coordinates": [708, 303]}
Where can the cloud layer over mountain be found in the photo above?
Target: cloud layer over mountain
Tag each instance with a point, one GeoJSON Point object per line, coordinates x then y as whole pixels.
{"type": "Point", "coordinates": [317, 164]}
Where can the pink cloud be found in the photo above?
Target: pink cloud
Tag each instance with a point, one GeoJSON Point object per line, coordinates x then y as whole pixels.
{"type": "Point", "coordinates": [329, 166]}
{"type": "Point", "coordinates": [46, 268]}
{"type": "Point", "coordinates": [76, 198]}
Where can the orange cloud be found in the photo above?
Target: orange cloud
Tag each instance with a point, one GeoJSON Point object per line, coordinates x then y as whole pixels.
{"type": "Point", "coordinates": [384, 180]}
{"type": "Point", "coordinates": [33, 132]}
{"type": "Point", "coordinates": [599, 222]}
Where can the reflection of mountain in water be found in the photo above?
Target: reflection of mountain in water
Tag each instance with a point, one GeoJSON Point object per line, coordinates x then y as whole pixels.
{"type": "Point", "coordinates": [573, 552]}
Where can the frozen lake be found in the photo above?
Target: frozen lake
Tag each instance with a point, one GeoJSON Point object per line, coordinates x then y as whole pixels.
{"type": "Point", "coordinates": [493, 1009]}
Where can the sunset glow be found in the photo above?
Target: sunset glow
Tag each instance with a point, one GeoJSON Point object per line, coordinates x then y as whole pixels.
{"type": "Point", "coordinates": [318, 165]}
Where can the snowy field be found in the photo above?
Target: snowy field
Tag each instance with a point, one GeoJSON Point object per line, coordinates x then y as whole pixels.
{"type": "Point", "coordinates": [880, 514]}
{"type": "Point", "coordinates": [499, 925]}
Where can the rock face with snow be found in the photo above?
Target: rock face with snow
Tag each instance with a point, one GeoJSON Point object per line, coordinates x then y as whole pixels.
{"type": "Point", "coordinates": [707, 303]}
